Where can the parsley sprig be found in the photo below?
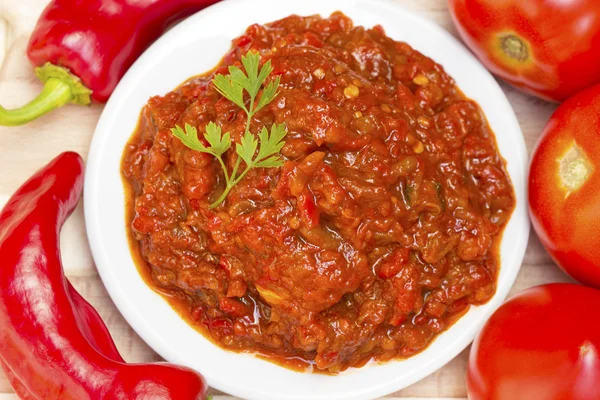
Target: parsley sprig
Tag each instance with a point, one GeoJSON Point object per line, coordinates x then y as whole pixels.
{"type": "Point", "coordinates": [232, 87]}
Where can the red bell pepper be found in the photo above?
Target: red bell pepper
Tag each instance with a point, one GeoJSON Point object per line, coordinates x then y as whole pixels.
{"type": "Point", "coordinates": [53, 344]}
{"type": "Point", "coordinates": [83, 48]}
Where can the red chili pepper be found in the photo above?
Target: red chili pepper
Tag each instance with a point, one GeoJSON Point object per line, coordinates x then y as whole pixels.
{"type": "Point", "coordinates": [53, 344]}
{"type": "Point", "coordinates": [92, 327]}
{"type": "Point", "coordinates": [16, 384]}
{"type": "Point", "coordinates": [83, 48]}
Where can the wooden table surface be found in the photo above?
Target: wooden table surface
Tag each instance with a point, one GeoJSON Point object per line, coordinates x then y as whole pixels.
{"type": "Point", "coordinates": [25, 149]}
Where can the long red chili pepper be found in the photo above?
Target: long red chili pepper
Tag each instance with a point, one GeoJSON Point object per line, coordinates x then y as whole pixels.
{"type": "Point", "coordinates": [83, 47]}
{"type": "Point", "coordinates": [53, 344]}
{"type": "Point", "coordinates": [16, 384]}
{"type": "Point", "coordinates": [92, 327]}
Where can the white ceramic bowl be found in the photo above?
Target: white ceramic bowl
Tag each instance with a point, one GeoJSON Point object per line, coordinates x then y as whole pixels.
{"type": "Point", "coordinates": [197, 45]}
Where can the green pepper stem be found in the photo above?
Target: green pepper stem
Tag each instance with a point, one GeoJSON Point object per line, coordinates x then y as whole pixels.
{"type": "Point", "coordinates": [60, 87]}
{"type": "Point", "coordinates": [56, 93]}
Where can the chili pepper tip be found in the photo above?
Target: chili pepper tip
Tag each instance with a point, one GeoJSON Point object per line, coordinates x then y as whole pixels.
{"type": "Point", "coordinates": [60, 87]}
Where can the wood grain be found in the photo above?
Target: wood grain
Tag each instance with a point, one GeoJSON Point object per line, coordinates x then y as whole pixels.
{"type": "Point", "coordinates": [24, 149]}
{"type": "Point", "coordinates": [4, 38]}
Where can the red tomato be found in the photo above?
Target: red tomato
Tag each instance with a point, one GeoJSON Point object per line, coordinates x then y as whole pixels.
{"type": "Point", "coordinates": [543, 344]}
{"type": "Point", "coordinates": [564, 187]}
{"type": "Point", "coordinates": [548, 48]}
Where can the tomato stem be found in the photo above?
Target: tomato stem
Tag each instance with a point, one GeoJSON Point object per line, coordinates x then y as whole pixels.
{"type": "Point", "coordinates": [574, 168]}
{"type": "Point", "coordinates": [514, 47]}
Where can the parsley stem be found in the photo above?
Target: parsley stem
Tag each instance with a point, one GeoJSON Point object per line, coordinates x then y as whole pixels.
{"type": "Point", "coordinates": [224, 170]}
{"type": "Point", "coordinates": [249, 114]}
{"type": "Point", "coordinates": [221, 197]}
{"type": "Point", "coordinates": [235, 168]}
{"type": "Point", "coordinates": [239, 178]}
{"type": "Point", "coordinates": [231, 183]}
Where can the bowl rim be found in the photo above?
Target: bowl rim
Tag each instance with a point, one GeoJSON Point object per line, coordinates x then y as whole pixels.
{"type": "Point", "coordinates": [98, 192]}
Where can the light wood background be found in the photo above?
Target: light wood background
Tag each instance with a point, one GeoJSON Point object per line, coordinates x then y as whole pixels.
{"type": "Point", "coordinates": [25, 149]}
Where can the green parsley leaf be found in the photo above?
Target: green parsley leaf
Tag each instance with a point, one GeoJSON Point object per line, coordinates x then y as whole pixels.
{"type": "Point", "coordinates": [238, 77]}
{"type": "Point", "coordinates": [250, 62]}
{"type": "Point", "coordinates": [273, 161]}
{"type": "Point", "coordinates": [189, 137]}
{"type": "Point", "coordinates": [271, 144]}
{"type": "Point", "coordinates": [219, 144]}
{"type": "Point", "coordinates": [268, 94]}
{"type": "Point", "coordinates": [264, 72]}
{"type": "Point", "coordinates": [247, 147]}
{"type": "Point", "coordinates": [231, 90]}
{"type": "Point", "coordinates": [232, 87]}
